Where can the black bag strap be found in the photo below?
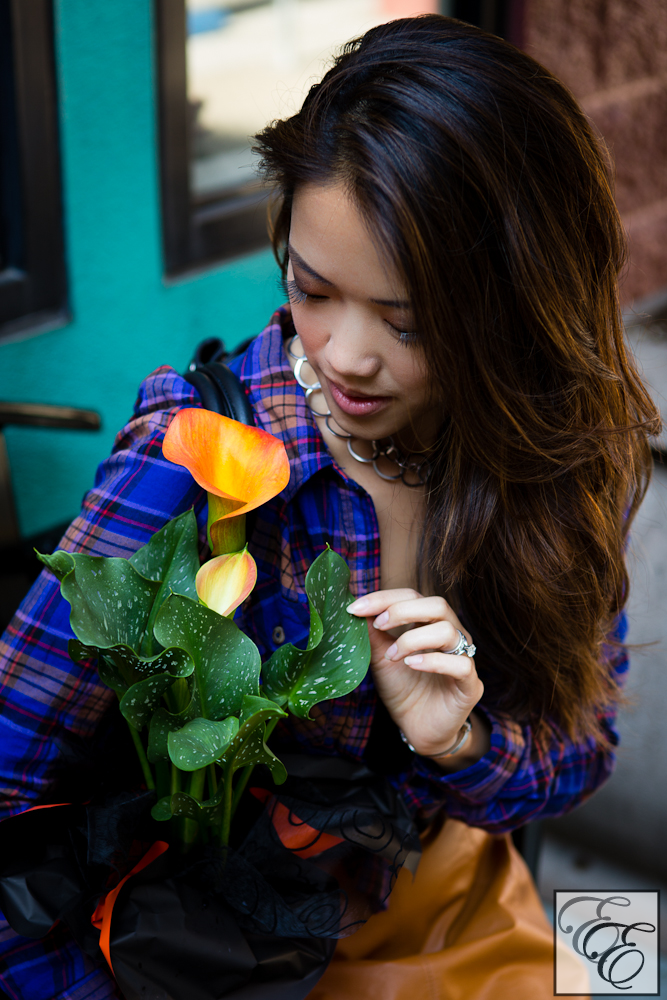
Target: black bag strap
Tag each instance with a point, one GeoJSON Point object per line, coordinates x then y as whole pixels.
{"type": "Point", "coordinates": [221, 391]}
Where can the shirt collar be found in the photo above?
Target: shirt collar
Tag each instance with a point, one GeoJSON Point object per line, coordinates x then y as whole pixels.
{"type": "Point", "coordinates": [279, 401]}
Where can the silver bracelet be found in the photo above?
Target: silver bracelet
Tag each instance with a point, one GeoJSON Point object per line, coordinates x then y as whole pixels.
{"type": "Point", "coordinates": [461, 740]}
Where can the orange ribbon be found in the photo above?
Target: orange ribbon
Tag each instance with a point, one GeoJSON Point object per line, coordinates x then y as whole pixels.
{"type": "Point", "coordinates": [296, 835]}
{"type": "Point", "coordinates": [101, 918]}
{"type": "Point", "coordinates": [49, 805]}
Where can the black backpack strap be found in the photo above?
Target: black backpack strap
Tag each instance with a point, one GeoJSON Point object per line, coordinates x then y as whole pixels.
{"type": "Point", "coordinates": [221, 391]}
{"type": "Point", "coordinates": [213, 349]}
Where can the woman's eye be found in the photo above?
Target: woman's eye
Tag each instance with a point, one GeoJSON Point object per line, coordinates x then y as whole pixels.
{"type": "Point", "coordinates": [404, 337]}
{"type": "Point", "coordinates": [296, 295]}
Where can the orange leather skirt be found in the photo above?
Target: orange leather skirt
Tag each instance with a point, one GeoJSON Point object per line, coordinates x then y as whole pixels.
{"type": "Point", "coordinates": [470, 926]}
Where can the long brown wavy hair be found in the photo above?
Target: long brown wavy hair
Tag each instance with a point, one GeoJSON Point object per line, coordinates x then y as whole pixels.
{"type": "Point", "coordinates": [480, 176]}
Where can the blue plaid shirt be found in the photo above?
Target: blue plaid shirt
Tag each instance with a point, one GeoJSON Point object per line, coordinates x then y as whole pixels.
{"type": "Point", "coordinates": [44, 696]}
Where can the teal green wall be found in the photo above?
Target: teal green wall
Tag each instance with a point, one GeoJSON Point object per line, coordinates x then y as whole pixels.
{"type": "Point", "coordinates": [126, 320]}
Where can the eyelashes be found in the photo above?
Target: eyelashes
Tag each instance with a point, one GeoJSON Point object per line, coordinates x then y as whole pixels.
{"type": "Point", "coordinates": [297, 296]}
{"type": "Point", "coordinates": [406, 339]}
{"type": "Point", "coordinates": [294, 293]}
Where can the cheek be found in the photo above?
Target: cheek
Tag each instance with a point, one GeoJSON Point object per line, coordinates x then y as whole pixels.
{"type": "Point", "coordinates": [410, 372]}
{"type": "Point", "coordinates": [311, 330]}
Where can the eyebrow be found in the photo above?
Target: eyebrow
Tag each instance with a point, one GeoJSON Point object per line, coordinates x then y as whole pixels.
{"type": "Point", "coordinates": [297, 259]}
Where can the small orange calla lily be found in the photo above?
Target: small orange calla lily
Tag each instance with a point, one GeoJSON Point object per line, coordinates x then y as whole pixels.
{"type": "Point", "coordinates": [225, 581]}
{"type": "Point", "coordinates": [245, 466]}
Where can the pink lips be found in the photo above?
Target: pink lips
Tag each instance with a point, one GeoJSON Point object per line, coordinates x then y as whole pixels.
{"type": "Point", "coordinates": [357, 406]}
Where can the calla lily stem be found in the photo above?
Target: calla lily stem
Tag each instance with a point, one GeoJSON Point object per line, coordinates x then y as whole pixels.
{"type": "Point", "coordinates": [212, 780]}
{"type": "Point", "coordinates": [143, 759]}
{"type": "Point", "coordinates": [244, 777]}
{"type": "Point", "coordinates": [227, 807]}
{"type": "Point", "coordinates": [196, 789]}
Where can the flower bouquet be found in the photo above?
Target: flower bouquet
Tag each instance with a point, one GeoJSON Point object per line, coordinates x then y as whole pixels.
{"type": "Point", "coordinates": [226, 871]}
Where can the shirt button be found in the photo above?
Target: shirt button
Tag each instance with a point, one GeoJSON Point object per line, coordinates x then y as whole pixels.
{"type": "Point", "coordinates": [278, 635]}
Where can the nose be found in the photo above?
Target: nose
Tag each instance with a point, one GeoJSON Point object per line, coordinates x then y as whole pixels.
{"type": "Point", "coordinates": [351, 346]}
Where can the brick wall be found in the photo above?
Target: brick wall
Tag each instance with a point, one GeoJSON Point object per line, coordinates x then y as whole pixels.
{"type": "Point", "coordinates": [613, 56]}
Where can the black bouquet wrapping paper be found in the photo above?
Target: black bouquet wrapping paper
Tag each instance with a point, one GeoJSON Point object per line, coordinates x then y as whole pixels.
{"type": "Point", "coordinates": [259, 920]}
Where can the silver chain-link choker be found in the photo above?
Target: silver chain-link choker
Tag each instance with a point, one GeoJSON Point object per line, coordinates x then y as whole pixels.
{"type": "Point", "coordinates": [407, 466]}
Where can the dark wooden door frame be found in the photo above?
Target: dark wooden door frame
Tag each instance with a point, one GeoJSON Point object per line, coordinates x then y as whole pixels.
{"type": "Point", "coordinates": [201, 230]}
{"type": "Point", "coordinates": [33, 284]}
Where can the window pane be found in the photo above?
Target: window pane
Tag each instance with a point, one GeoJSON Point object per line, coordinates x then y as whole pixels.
{"type": "Point", "coordinates": [250, 61]}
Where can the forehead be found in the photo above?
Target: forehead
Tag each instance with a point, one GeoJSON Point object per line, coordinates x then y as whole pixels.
{"type": "Point", "coordinates": [331, 235]}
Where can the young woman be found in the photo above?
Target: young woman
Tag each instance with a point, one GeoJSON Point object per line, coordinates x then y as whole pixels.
{"type": "Point", "coordinates": [465, 428]}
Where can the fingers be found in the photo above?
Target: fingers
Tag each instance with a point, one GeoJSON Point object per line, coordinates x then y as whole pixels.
{"type": "Point", "coordinates": [461, 668]}
{"type": "Point", "coordinates": [380, 600]}
{"type": "Point", "coordinates": [398, 608]}
{"type": "Point", "coordinates": [424, 609]}
{"type": "Point", "coordinates": [425, 648]}
{"type": "Point", "coordinates": [394, 608]}
{"type": "Point", "coordinates": [438, 636]}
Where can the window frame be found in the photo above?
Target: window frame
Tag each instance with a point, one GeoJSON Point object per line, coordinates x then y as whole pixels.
{"type": "Point", "coordinates": [33, 280]}
{"type": "Point", "coordinates": [204, 230]}
{"type": "Point", "coordinates": [197, 231]}
{"type": "Point", "coordinates": [500, 17]}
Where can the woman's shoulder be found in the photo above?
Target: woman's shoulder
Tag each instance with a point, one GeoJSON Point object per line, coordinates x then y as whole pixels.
{"type": "Point", "coordinates": [264, 363]}
{"type": "Point", "coordinates": [261, 366]}
{"type": "Point", "coordinates": [164, 389]}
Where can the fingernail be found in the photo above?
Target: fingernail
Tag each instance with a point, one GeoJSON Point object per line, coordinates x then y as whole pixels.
{"type": "Point", "coordinates": [381, 620]}
{"type": "Point", "coordinates": [391, 652]}
{"type": "Point", "coordinates": [357, 606]}
{"type": "Point", "coordinates": [412, 661]}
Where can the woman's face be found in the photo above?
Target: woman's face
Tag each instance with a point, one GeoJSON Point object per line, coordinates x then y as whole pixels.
{"type": "Point", "coordinates": [354, 319]}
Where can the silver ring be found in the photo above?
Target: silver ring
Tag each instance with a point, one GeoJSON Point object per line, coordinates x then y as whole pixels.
{"type": "Point", "coordinates": [344, 437]}
{"type": "Point", "coordinates": [317, 413]}
{"type": "Point", "coordinates": [300, 362]}
{"type": "Point", "coordinates": [463, 647]}
{"type": "Point", "coordinates": [383, 475]}
{"type": "Point", "coordinates": [359, 458]}
{"type": "Point", "coordinates": [379, 453]}
{"type": "Point", "coordinates": [291, 353]}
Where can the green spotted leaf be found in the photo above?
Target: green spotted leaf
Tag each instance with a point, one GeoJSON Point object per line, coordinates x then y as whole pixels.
{"type": "Point", "coordinates": [78, 652]}
{"type": "Point", "coordinates": [182, 804]}
{"type": "Point", "coordinates": [162, 724]}
{"type": "Point", "coordinates": [170, 557]}
{"type": "Point", "coordinates": [252, 750]}
{"type": "Point", "coordinates": [161, 811]}
{"type": "Point", "coordinates": [111, 603]}
{"type": "Point", "coordinates": [200, 742]}
{"type": "Point", "coordinates": [115, 601]}
{"type": "Point", "coordinates": [226, 662]}
{"type": "Point", "coordinates": [249, 743]}
{"type": "Point", "coordinates": [259, 709]}
{"type": "Point", "coordinates": [60, 563]}
{"type": "Point", "coordinates": [140, 701]}
{"type": "Point", "coordinates": [120, 668]}
{"type": "Point", "coordinates": [338, 653]}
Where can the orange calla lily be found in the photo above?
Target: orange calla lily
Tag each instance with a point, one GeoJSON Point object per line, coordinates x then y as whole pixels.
{"type": "Point", "coordinates": [245, 466]}
{"type": "Point", "coordinates": [225, 581]}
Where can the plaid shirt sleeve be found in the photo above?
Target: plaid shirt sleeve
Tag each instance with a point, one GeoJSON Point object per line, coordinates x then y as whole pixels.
{"type": "Point", "coordinates": [520, 779]}
{"type": "Point", "coordinates": [44, 696]}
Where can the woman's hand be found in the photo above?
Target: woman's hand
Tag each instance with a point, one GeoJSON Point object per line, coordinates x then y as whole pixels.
{"type": "Point", "coordinates": [428, 692]}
